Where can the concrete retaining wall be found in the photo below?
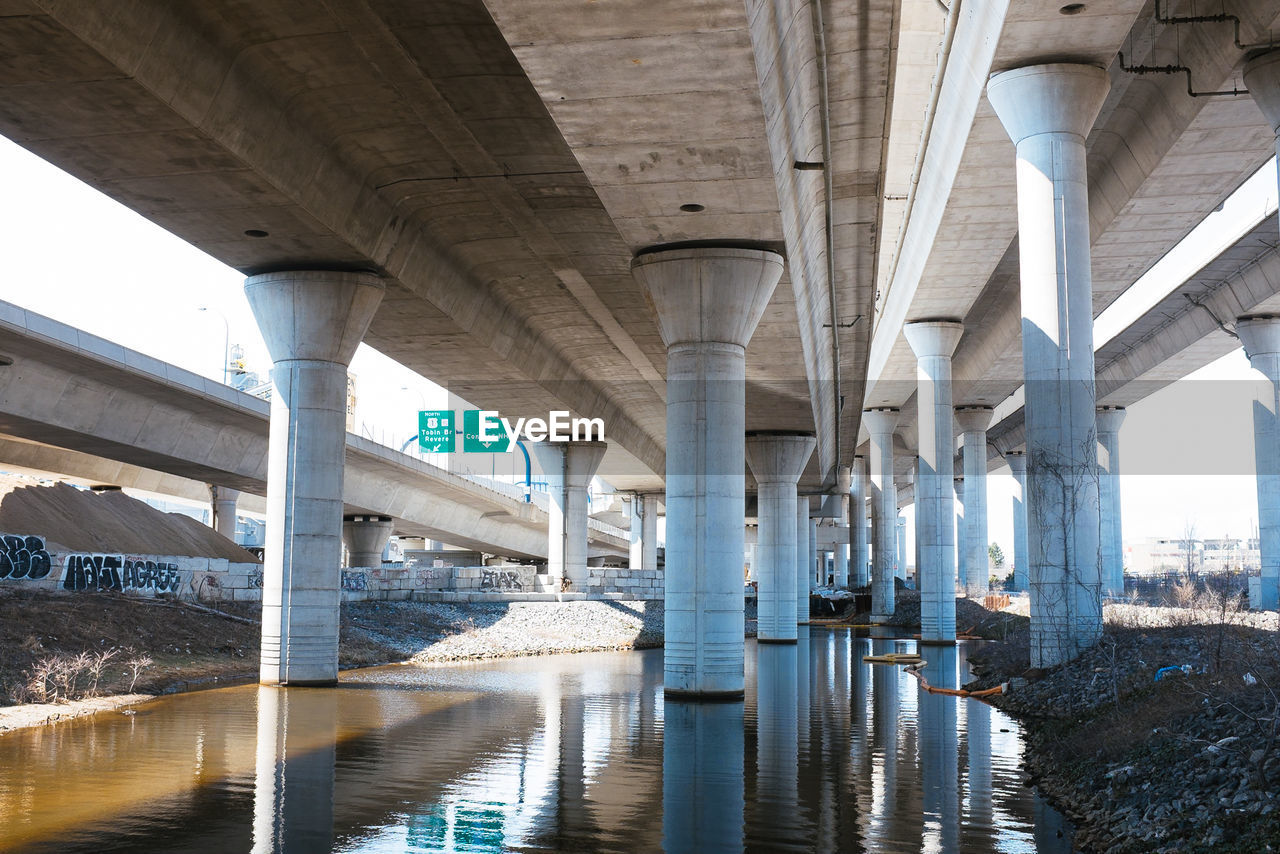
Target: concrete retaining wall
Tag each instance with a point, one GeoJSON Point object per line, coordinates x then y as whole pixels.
{"type": "Point", "coordinates": [24, 562]}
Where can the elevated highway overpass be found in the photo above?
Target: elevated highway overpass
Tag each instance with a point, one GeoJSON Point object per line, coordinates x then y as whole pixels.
{"type": "Point", "coordinates": [76, 404]}
{"type": "Point", "coordinates": [470, 187]}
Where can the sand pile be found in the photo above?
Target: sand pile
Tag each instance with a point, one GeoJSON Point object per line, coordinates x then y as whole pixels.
{"type": "Point", "coordinates": [111, 522]}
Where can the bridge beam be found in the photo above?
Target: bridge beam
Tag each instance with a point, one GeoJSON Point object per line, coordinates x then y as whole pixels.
{"type": "Point", "coordinates": [709, 301]}
{"type": "Point", "coordinates": [312, 322]}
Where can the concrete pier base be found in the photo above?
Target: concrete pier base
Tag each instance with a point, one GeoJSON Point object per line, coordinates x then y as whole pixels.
{"type": "Point", "coordinates": [708, 301]}
{"type": "Point", "coordinates": [312, 322]}
{"type": "Point", "coordinates": [1048, 111]}
{"type": "Point", "coordinates": [777, 461]}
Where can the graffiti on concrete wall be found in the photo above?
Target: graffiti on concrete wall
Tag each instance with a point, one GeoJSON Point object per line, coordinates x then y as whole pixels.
{"type": "Point", "coordinates": [499, 580]}
{"type": "Point", "coordinates": [430, 576]}
{"type": "Point", "coordinates": [117, 572]}
{"type": "Point", "coordinates": [23, 557]}
{"type": "Point", "coordinates": [354, 581]}
{"type": "Point", "coordinates": [255, 577]}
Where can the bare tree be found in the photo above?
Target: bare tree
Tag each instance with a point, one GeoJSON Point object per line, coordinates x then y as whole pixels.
{"type": "Point", "coordinates": [1188, 545]}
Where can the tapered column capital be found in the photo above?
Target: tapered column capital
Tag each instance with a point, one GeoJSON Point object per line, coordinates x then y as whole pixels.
{"type": "Point", "coordinates": [318, 315]}
{"type": "Point", "coordinates": [578, 461]}
{"type": "Point", "coordinates": [1109, 419]}
{"type": "Point", "coordinates": [844, 479]}
{"type": "Point", "coordinates": [1017, 461]}
{"type": "Point", "coordinates": [974, 419]}
{"type": "Point", "coordinates": [1262, 79]}
{"type": "Point", "coordinates": [708, 293]}
{"type": "Point", "coordinates": [930, 338]}
{"type": "Point", "coordinates": [880, 422]}
{"type": "Point", "coordinates": [1260, 334]}
{"type": "Point", "coordinates": [1054, 98]}
{"type": "Point", "coordinates": [779, 457]}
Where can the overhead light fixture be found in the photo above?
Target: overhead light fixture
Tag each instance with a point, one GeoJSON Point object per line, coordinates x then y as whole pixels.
{"type": "Point", "coordinates": [1072, 9]}
{"type": "Point", "coordinates": [693, 207]}
{"type": "Point", "coordinates": [255, 232]}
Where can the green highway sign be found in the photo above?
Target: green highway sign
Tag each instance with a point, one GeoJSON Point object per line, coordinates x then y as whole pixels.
{"type": "Point", "coordinates": [435, 431]}
{"type": "Point", "coordinates": [498, 442]}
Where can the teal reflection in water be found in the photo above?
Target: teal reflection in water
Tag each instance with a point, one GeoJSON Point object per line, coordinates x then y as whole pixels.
{"type": "Point", "coordinates": [567, 753]}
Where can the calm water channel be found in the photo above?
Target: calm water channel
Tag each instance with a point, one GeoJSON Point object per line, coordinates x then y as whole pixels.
{"type": "Point", "coordinates": [573, 752]}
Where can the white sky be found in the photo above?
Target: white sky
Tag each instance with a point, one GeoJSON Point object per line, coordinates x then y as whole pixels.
{"type": "Point", "coordinates": [81, 258]}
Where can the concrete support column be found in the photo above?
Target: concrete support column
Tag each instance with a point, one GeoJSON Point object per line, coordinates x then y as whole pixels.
{"type": "Point", "coordinates": [569, 467]}
{"type": "Point", "coordinates": [644, 531]}
{"type": "Point", "coordinates": [860, 574]}
{"type": "Point", "coordinates": [366, 538]}
{"type": "Point", "coordinates": [973, 422]}
{"type": "Point", "coordinates": [1018, 466]}
{"type": "Point", "coordinates": [804, 571]}
{"type": "Point", "coordinates": [709, 301]}
{"type": "Point", "coordinates": [223, 501]}
{"type": "Point", "coordinates": [900, 554]}
{"type": "Point", "coordinates": [1109, 419]}
{"type": "Point", "coordinates": [933, 342]}
{"type": "Point", "coordinates": [1261, 339]}
{"type": "Point", "coordinates": [814, 570]}
{"type": "Point", "coordinates": [312, 322]}
{"type": "Point", "coordinates": [884, 510]}
{"type": "Point", "coordinates": [777, 461]}
{"type": "Point", "coordinates": [844, 482]}
{"type": "Point", "coordinates": [1047, 111]}
{"type": "Point", "coordinates": [962, 558]}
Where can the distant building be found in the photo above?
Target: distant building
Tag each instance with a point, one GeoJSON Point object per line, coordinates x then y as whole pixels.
{"type": "Point", "coordinates": [1161, 555]}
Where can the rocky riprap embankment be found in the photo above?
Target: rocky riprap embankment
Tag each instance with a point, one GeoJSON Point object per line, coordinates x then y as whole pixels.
{"type": "Point", "coordinates": [1189, 762]}
{"type": "Point", "coordinates": [436, 632]}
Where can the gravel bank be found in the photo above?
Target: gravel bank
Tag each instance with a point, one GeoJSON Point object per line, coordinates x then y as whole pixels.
{"type": "Point", "coordinates": [1186, 762]}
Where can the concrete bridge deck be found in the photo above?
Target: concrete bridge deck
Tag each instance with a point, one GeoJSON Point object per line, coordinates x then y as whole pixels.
{"type": "Point", "coordinates": [96, 401]}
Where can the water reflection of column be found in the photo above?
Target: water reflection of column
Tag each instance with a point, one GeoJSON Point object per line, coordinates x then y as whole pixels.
{"type": "Point", "coordinates": [978, 736]}
{"type": "Point", "coordinates": [293, 787]}
{"type": "Point", "coordinates": [884, 692]}
{"type": "Point", "coordinates": [804, 660]}
{"type": "Point", "coordinates": [572, 811]}
{"type": "Point", "coordinates": [939, 753]}
{"type": "Point", "coordinates": [702, 777]}
{"type": "Point", "coordinates": [777, 767]}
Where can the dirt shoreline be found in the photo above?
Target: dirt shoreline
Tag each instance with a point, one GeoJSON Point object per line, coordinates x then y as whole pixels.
{"type": "Point", "coordinates": [193, 647]}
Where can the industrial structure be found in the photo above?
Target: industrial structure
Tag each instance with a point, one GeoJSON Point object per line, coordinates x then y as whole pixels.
{"type": "Point", "coordinates": [804, 260]}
